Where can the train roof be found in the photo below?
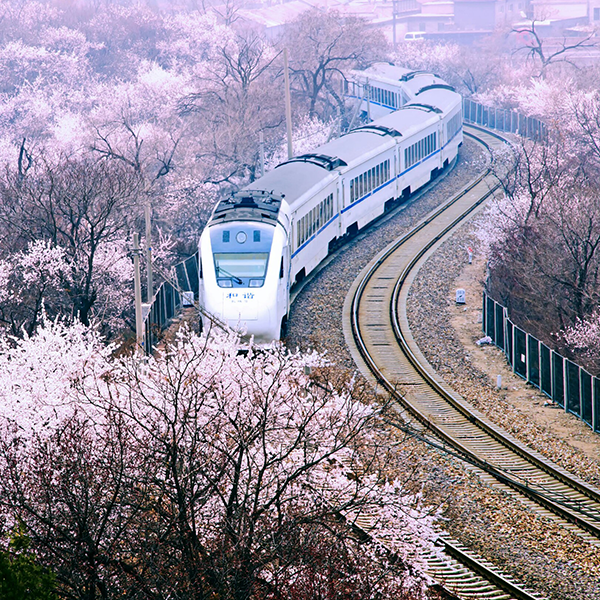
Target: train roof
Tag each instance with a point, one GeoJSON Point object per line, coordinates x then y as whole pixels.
{"type": "Point", "coordinates": [442, 96]}
{"type": "Point", "coordinates": [409, 120]}
{"type": "Point", "coordinates": [357, 144]}
{"type": "Point", "coordinates": [419, 80]}
{"type": "Point", "coordinates": [292, 182]}
{"type": "Point", "coordinates": [412, 81]}
{"type": "Point", "coordinates": [383, 72]}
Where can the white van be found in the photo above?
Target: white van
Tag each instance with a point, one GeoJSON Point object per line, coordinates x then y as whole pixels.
{"type": "Point", "coordinates": [413, 36]}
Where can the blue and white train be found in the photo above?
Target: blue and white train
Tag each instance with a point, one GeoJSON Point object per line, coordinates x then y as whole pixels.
{"type": "Point", "coordinates": [274, 232]}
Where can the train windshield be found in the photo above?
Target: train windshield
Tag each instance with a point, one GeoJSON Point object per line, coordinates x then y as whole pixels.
{"type": "Point", "coordinates": [241, 264]}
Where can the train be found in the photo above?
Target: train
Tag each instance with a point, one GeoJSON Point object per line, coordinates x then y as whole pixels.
{"type": "Point", "coordinates": [263, 239]}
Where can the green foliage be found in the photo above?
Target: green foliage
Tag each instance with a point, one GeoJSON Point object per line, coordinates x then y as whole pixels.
{"type": "Point", "coordinates": [21, 577]}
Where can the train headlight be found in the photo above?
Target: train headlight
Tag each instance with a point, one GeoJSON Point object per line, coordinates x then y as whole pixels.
{"type": "Point", "coordinates": [225, 283]}
{"type": "Point", "coordinates": [256, 283]}
{"type": "Point", "coordinates": [241, 237]}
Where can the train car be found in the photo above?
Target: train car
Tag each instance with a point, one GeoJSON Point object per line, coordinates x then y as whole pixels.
{"type": "Point", "coordinates": [273, 233]}
{"type": "Point", "coordinates": [385, 87]}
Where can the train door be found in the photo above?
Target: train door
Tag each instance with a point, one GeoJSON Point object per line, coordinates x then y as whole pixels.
{"type": "Point", "coordinates": [396, 171]}
{"type": "Point", "coordinates": [339, 204]}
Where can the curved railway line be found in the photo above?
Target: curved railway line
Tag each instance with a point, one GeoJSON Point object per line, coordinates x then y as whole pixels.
{"type": "Point", "coordinates": [377, 331]}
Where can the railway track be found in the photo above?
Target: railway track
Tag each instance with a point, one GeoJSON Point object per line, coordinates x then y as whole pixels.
{"type": "Point", "coordinates": [378, 334]}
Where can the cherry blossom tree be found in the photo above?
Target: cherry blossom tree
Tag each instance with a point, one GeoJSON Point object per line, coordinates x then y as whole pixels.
{"type": "Point", "coordinates": [323, 47]}
{"type": "Point", "coordinates": [583, 339]}
{"type": "Point", "coordinates": [201, 471]}
{"type": "Point", "coordinates": [32, 281]}
{"type": "Point", "coordinates": [83, 207]}
{"type": "Point", "coordinates": [535, 47]}
{"type": "Point", "coordinates": [543, 236]}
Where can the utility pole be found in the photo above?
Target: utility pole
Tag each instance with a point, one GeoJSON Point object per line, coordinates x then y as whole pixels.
{"type": "Point", "coordinates": [288, 103]}
{"type": "Point", "coordinates": [139, 321]}
{"type": "Point", "coordinates": [394, 21]}
{"type": "Point", "coordinates": [148, 216]}
{"type": "Point", "coordinates": [261, 152]}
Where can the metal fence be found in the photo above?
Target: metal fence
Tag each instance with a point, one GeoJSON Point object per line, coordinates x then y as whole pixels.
{"type": "Point", "coordinates": [168, 300]}
{"type": "Point", "coordinates": [568, 385]}
{"type": "Point", "coordinates": [507, 121]}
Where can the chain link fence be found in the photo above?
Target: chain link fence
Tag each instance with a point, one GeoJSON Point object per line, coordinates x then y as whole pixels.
{"type": "Point", "coordinates": [567, 384]}
{"type": "Point", "coordinates": [500, 119]}
{"type": "Point", "coordinates": [173, 294]}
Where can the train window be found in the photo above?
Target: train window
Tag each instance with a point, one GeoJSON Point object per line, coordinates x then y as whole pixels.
{"type": "Point", "coordinates": [352, 190]}
{"type": "Point", "coordinates": [226, 236]}
{"type": "Point", "coordinates": [368, 181]}
{"type": "Point", "coordinates": [241, 264]}
{"type": "Point", "coordinates": [377, 182]}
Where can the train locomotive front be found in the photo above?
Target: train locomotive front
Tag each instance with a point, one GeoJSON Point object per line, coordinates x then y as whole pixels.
{"type": "Point", "coordinates": [244, 276]}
